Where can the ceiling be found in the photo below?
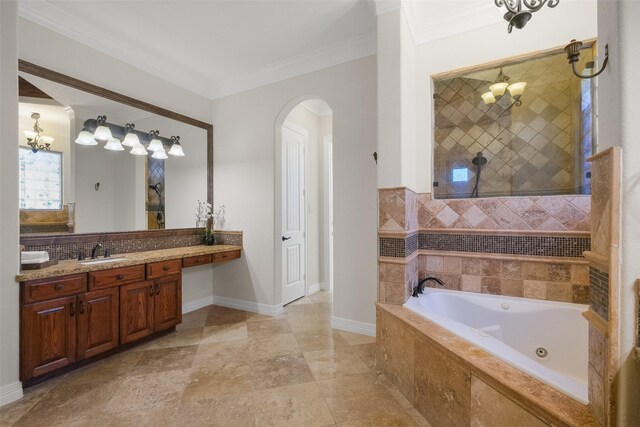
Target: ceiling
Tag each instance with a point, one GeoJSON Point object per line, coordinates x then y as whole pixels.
{"type": "Point", "coordinates": [216, 48]}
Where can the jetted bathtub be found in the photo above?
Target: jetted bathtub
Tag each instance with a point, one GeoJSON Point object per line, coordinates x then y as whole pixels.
{"type": "Point", "coordinates": [548, 340]}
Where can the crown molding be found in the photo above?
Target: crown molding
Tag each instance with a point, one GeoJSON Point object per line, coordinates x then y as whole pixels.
{"type": "Point", "coordinates": [455, 21]}
{"type": "Point", "coordinates": [339, 53]}
{"type": "Point", "coordinates": [55, 19]}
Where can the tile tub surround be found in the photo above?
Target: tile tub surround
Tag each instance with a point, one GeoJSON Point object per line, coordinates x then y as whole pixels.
{"type": "Point", "coordinates": [67, 246]}
{"type": "Point", "coordinates": [67, 267]}
{"type": "Point", "coordinates": [226, 367]}
{"type": "Point", "coordinates": [453, 383]}
{"type": "Point", "coordinates": [546, 279]}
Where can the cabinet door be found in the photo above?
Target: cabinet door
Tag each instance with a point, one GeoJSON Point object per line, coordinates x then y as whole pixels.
{"type": "Point", "coordinates": [48, 336]}
{"type": "Point", "coordinates": [136, 311]}
{"type": "Point", "coordinates": [168, 302]}
{"type": "Point", "coordinates": [98, 320]}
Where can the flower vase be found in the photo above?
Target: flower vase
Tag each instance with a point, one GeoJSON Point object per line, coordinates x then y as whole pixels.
{"type": "Point", "coordinates": [209, 240]}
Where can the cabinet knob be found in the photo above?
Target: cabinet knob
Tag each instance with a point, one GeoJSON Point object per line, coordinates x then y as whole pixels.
{"type": "Point", "coordinates": [151, 290]}
{"type": "Point", "coordinates": [59, 287]}
{"type": "Point", "coordinates": [119, 277]}
{"type": "Point", "coordinates": [72, 311]}
{"type": "Point", "coordinates": [157, 289]}
{"type": "Point", "coordinates": [81, 307]}
{"type": "Point", "coordinates": [165, 268]}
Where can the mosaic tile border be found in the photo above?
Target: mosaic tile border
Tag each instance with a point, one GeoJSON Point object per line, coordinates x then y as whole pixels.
{"type": "Point", "coordinates": [548, 246]}
{"type": "Point", "coordinates": [599, 292]}
{"type": "Point", "coordinates": [69, 250]}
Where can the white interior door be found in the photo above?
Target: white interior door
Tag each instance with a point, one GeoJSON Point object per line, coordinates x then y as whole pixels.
{"type": "Point", "coordinates": [293, 213]}
{"type": "Point", "coordinates": [328, 215]}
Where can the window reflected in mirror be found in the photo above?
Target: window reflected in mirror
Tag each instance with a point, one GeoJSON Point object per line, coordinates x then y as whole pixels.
{"type": "Point", "coordinates": [521, 128]}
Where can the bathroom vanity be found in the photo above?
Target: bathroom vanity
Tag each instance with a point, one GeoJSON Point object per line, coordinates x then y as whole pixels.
{"type": "Point", "coordinates": [74, 312]}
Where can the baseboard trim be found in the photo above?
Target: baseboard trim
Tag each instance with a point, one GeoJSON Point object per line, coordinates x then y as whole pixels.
{"type": "Point", "coordinates": [254, 307]}
{"type": "Point", "coordinates": [10, 393]}
{"type": "Point", "coordinates": [197, 304]}
{"type": "Point", "coordinates": [354, 326]}
{"type": "Point", "coordinates": [324, 286]}
{"type": "Point", "coordinates": [315, 288]}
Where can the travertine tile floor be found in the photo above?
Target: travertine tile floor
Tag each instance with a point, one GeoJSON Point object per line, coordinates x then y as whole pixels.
{"type": "Point", "coordinates": [226, 367]}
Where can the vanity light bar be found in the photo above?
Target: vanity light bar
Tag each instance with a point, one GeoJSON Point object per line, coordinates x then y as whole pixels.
{"type": "Point", "coordinates": [118, 137]}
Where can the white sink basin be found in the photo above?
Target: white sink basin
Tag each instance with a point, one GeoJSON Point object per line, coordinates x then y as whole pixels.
{"type": "Point", "coordinates": [100, 261]}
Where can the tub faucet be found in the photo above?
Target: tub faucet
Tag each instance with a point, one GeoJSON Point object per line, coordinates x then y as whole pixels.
{"type": "Point", "coordinates": [94, 251]}
{"type": "Point", "coordinates": [418, 289]}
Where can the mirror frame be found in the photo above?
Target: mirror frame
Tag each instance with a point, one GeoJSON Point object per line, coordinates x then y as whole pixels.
{"type": "Point", "coordinates": [54, 76]}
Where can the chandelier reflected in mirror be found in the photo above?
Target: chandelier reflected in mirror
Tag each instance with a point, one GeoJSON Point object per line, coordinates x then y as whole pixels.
{"type": "Point", "coordinates": [35, 139]}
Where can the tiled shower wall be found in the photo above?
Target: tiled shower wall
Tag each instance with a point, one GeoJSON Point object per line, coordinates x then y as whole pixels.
{"type": "Point", "coordinates": [524, 246]}
{"type": "Point", "coordinates": [532, 149]}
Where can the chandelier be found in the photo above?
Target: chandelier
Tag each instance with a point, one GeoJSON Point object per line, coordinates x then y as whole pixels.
{"type": "Point", "coordinates": [35, 139]}
{"type": "Point", "coordinates": [518, 17]}
{"type": "Point", "coordinates": [501, 86]}
{"type": "Point", "coordinates": [116, 138]}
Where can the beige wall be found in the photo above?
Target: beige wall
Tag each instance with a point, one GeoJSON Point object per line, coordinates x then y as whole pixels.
{"type": "Point", "coordinates": [246, 162]}
{"type": "Point", "coordinates": [9, 223]}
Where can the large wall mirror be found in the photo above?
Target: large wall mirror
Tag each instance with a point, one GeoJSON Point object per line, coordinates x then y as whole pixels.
{"type": "Point", "coordinates": [519, 127]}
{"type": "Point", "coordinates": [94, 161]}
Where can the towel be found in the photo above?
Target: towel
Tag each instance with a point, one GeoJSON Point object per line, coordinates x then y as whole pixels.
{"type": "Point", "coordinates": [34, 257]}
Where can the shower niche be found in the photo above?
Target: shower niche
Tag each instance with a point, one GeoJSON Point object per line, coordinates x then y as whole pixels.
{"type": "Point", "coordinates": [516, 128]}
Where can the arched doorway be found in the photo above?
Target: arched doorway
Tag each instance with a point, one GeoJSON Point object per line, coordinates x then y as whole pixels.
{"type": "Point", "coordinates": [304, 198]}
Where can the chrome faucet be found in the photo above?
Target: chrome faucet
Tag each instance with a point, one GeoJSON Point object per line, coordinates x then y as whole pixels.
{"type": "Point", "coordinates": [94, 251]}
{"type": "Point", "coordinates": [419, 289]}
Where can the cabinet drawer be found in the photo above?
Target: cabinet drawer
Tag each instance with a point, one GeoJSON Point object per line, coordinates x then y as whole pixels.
{"type": "Point", "coordinates": [192, 261]}
{"type": "Point", "coordinates": [163, 268]}
{"type": "Point", "coordinates": [47, 289]}
{"type": "Point", "coordinates": [224, 256]}
{"type": "Point", "coordinates": [116, 277]}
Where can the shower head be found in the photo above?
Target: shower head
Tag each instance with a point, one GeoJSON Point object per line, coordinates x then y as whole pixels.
{"type": "Point", "coordinates": [479, 159]}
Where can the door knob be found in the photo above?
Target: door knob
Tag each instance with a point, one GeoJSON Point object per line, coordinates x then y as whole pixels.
{"type": "Point", "coordinates": [285, 238]}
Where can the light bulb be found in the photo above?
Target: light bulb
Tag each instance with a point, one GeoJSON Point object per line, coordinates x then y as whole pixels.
{"type": "Point", "coordinates": [85, 138]}
{"type": "Point", "coordinates": [488, 98]}
{"type": "Point", "coordinates": [114, 145]}
{"type": "Point", "coordinates": [160, 154]}
{"type": "Point", "coordinates": [516, 89]}
{"type": "Point", "coordinates": [30, 134]}
{"type": "Point", "coordinates": [498, 89]}
{"type": "Point", "coordinates": [47, 140]}
{"type": "Point", "coordinates": [155, 145]}
{"type": "Point", "coordinates": [139, 150]}
{"type": "Point", "coordinates": [130, 140]}
{"type": "Point", "coordinates": [102, 133]}
{"type": "Point", "coordinates": [176, 150]}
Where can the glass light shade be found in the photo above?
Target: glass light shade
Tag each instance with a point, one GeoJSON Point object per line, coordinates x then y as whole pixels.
{"type": "Point", "coordinates": [155, 145]}
{"type": "Point", "coordinates": [85, 138]}
{"type": "Point", "coordinates": [47, 140]}
{"type": "Point", "coordinates": [176, 150]}
{"type": "Point", "coordinates": [516, 89]}
{"type": "Point", "coordinates": [497, 89]}
{"type": "Point", "coordinates": [130, 140]}
{"type": "Point", "coordinates": [139, 150]}
{"type": "Point", "coordinates": [114, 145]}
{"type": "Point", "coordinates": [30, 134]}
{"type": "Point", "coordinates": [488, 98]}
{"type": "Point", "coordinates": [160, 154]}
{"type": "Point", "coordinates": [103, 133]}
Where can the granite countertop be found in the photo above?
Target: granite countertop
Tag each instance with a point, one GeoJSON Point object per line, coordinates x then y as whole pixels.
{"type": "Point", "coordinates": [134, 258]}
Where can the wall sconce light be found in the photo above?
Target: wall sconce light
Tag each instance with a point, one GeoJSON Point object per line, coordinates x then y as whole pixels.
{"type": "Point", "coordinates": [35, 139]}
{"type": "Point", "coordinates": [573, 56]}
{"type": "Point", "coordinates": [176, 148]}
{"type": "Point", "coordinates": [102, 132]}
{"type": "Point", "coordinates": [155, 144]}
{"type": "Point", "coordinates": [516, 17]}
{"type": "Point", "coordinates": [131, 138]}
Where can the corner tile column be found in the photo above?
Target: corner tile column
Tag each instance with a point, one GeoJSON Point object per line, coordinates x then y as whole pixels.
{"type": "Point", "coordinates": [398, 244]}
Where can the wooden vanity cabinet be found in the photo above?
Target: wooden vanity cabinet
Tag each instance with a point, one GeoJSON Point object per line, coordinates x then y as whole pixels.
{"type": "Point", "coordinates": [48, 336]}
{"type": "Point", "coordinates": [98, 319]}
{"type": "Point", "coordinates": [149, 307]}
